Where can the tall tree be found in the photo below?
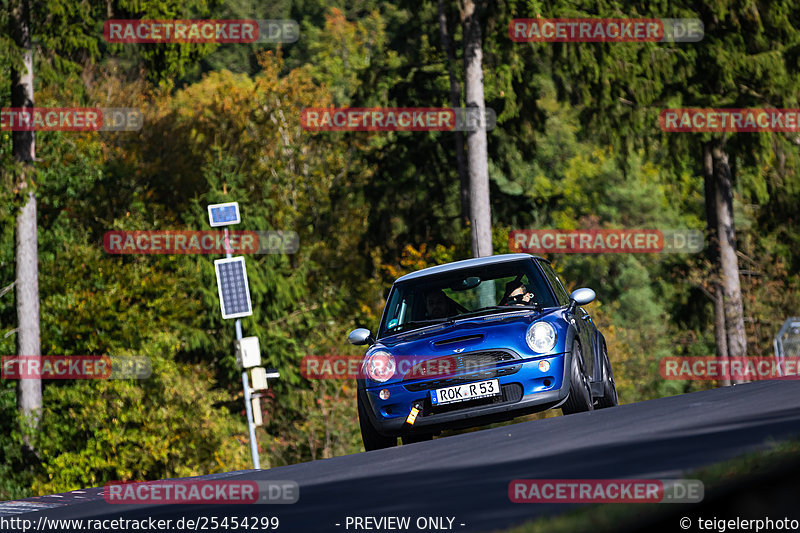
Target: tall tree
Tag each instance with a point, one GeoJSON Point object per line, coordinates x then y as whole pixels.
{"type": "Point", "coordinates": [715, 292]}
{"type": "Point", "coordinates": [29, 391]}
{"type": "Point", "coordinates": [730, 285]}
{"type": "Point", "coordinates": [480, 213]}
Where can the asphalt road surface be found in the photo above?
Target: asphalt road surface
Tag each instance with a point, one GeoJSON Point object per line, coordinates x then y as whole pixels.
{"type": "Point", "coordinates": [465, 478]}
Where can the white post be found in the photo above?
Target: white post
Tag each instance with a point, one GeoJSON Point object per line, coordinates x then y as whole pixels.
{"type": "Point", "coordinates": [245, 383]}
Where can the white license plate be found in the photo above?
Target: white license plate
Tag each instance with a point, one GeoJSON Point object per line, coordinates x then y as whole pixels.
{"type": "Point", "coordinates": [468, 391]}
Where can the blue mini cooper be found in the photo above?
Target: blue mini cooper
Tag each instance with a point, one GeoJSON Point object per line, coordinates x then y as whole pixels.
{"type": "Point", "coordinates": [476, 342]}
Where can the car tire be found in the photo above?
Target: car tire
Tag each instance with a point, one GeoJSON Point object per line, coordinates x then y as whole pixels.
{"type": "Point", "coordinates": [369, 435]}
{"type": "Point", "coordinates": [610, 398]}
{"type": "Point", "coordinates": [580, 391]}
{"type": "Point", "coordinates": [411, 439]}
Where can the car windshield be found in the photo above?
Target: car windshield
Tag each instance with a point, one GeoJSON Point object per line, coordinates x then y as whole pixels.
{"type": "Point", "coordinates": [464, 293]}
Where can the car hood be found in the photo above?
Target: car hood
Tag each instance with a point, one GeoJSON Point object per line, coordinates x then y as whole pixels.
{"type": "Point", "coordinates": [496, 331]}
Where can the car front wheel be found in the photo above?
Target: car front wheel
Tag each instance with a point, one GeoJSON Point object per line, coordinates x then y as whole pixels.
{"type": "Point", "coordinates": [369, 435]}
{"type": "Point", "coordinates": [580, 392]}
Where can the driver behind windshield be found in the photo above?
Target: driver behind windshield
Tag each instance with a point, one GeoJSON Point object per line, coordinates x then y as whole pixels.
{"type": "Point", "coordinates": [438, 305]}
{"type": "Point", "coordinates": [517, 293]}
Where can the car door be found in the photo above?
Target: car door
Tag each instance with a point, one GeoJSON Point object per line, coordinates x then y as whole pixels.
{"type": "Point", "coordinates": [581, 319]}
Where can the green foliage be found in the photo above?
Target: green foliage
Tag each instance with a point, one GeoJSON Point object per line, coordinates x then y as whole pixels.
{"type": "Point", "coordinates": [577, 146]}
{"type": "Point", "coordinates": [167, 426]}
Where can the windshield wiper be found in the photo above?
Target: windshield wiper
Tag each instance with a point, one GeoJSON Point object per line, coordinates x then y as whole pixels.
{"type": "Point", "coordinates": [452, 319]}
{"type": "Point", "coordinates": [420, 323]}
{"type": "Point", "coordinates": [496, 308]}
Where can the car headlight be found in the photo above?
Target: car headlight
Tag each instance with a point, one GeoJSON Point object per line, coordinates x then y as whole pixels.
{"type": "Point", "coordinates": [541, 337]}
{"type": "Point", "coordinates": [380, 366]}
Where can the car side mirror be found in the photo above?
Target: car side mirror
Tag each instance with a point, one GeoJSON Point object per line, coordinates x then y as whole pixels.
{"type": "Point", "coordinates": [360, 337]}
{"type": "Point", "coordinates": [580, 297]}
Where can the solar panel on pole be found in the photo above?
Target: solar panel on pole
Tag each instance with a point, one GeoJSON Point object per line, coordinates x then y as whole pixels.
{"type": "Point", "coordinates": [234, 301]}
{"type": "Point", "coordinates": [224, 214]}
{"type": "Point", "coordinates": [234, 293]}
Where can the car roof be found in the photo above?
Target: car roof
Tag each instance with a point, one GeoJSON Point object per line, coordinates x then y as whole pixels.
{"type": "Point", "coordinates": [466, 263]}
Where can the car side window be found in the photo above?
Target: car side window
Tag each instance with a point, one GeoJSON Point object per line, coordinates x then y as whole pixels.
{"type": "Point", "coordinates": [558, 288]}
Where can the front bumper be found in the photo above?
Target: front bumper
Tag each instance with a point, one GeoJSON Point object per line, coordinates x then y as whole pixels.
{"type": "Point", "coordinates": [525, 390]}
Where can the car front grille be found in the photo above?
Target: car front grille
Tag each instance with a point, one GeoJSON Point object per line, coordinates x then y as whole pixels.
{"type": "Point", "coordinates": [463, 378]}
{"type": "Point", "coordinates": [457, 363]}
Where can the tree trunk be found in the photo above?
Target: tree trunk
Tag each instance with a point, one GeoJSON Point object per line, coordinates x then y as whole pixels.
{"type": "Point", "coordinates": [455, 102]}
{"type": "Point", "coordinates": [29, 391]}
{"type": "Point", "coordinates": [479, 207]}
{"type": "Point", "coordinates": [713, 257]}
{"type": "Point", "coordinates": [729, 263]}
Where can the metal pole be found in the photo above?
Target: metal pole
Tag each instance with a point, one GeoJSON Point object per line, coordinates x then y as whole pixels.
{"type": "Point", "coordinates": [245, 384]}
{"type": "Point", "coordinates": [248, 407]}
